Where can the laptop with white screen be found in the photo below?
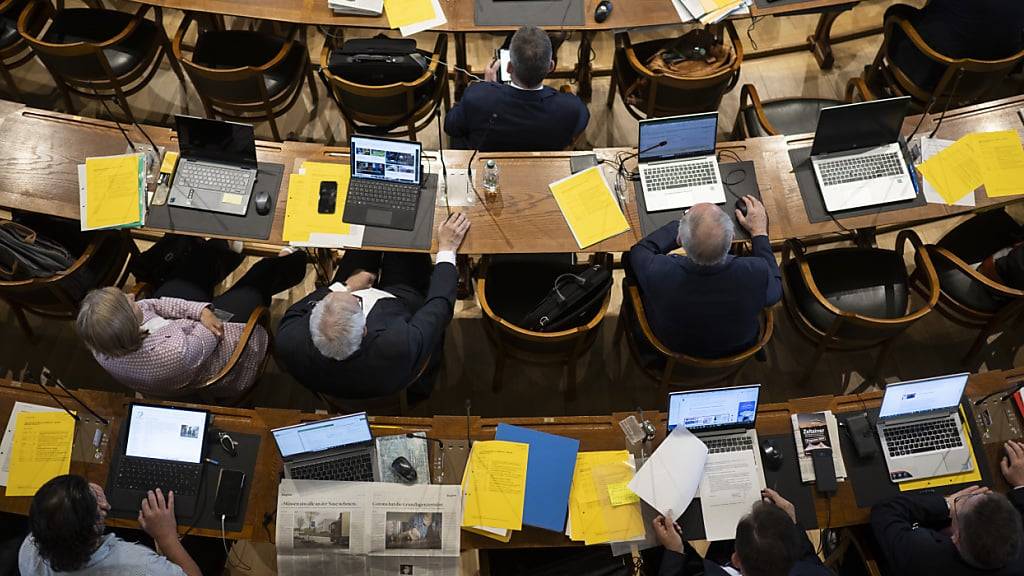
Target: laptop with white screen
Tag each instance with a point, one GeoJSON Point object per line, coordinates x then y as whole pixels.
{"type": "Point", "coordinates": [723, 418]}
{"type": "Point", "coordinates": [338, 448]}
{"type": "Point", "coordinates": [163, 449]}
{"type": "Point", "coordinates": [920, 428]}
{"type": "Point", "coordinates": [677, 162]}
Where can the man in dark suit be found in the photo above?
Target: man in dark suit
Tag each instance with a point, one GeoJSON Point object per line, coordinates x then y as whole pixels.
{"type": "Point", "coordinates": [978, 29]}
{"type": "Point", "coordinates": [972, 532]}
{"type": "Point", "coordinates": [524, 115]}
{"type": "Point", "coordinates": [706, 303]}
{"type": "Point", "coordinates": [330, 345]}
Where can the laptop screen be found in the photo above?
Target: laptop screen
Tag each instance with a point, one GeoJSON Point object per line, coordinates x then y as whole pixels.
{"type": "Point", "coordinates": [166, 433]}
{"type": "Point", "coordinates": [920, 396]}
{"type": "Point", "coordinates": [322, 434]}
{"type": "Point", "coordinates": [859, 125]}
{"type": "Point", "coordinates": [391, 160]}
{"type": "Point", "coordinates": [216, 141]}
{"type": "Point", "coordinates": [684, 136]}
{"type": "Point", "coordinates": [704, 410]}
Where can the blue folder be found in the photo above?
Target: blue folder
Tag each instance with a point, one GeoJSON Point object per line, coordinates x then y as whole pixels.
{"type": "Point", "coordinates": [549, 470]}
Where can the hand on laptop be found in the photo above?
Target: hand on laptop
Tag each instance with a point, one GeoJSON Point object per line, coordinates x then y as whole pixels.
{"type": "Point", "coordinates": [157, 517]}
{"type": "Point", "coordinates": [669, 534]}
{"type": "Point", "coordinates": [775, 498]}
{"type": "Point", "coordinates": [209, 320]}
{"type": "Point", "coordinates": [360, 280]}
{"type": "Point", "coordinates": [756, 220]}
{"type": "Point", "coordinates": [1013, 464]}
{"type": "Point", "coordinates": [451, 232]}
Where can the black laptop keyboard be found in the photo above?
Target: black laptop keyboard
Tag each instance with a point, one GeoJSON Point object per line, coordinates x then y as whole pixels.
{"type": "Point", "coordinates": [138, 474]}
{"type": "Point", "coordinates": [860, 168]}
{"type": "Point", "coordinates": [356, 468]}
{"type": "Point", "coordinates": [383, 195]}
{"type": "Point", "coordinates": [923, 437]}
{"type": "Point", "coordinates": [684, 175]}
{"type": "Point", "coordinates": [728, 444]}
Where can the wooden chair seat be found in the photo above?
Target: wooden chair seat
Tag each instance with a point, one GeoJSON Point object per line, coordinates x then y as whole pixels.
{"type": "Point", "coordinates": [14, 50]}
{"type": "Point", "coordinates": [86, 25]}
{"type": "Point", "coordinates": [230, 49]}
{"type": "Point", "coordinates": [759, 118]}
{"type": "Point", "coordinates": [9, 22]}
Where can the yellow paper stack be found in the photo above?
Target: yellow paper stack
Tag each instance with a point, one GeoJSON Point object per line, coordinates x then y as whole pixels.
{"type": "Point", "coordinates": [41, 450]}
{"type": "Point", "coordinates": [112, 192]}
{"type": "Point", "coordinates": [303, 223]}
{"type": "Point", "coordinates": [601, 508]}
{"type": "Point", "coordinates": [494, 488]}
{"type": "Point", "coordinates": [412, 16]}
{"type": "Point", "coordinates": [992, 159]}
{"type": "Point", "coordinates": [716, 10]}
{"type": "Point", "coordinates": [589, 206]}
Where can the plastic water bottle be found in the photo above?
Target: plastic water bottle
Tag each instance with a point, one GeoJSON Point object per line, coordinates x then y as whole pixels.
{"type": "Point", "coordinates": [491, 174]}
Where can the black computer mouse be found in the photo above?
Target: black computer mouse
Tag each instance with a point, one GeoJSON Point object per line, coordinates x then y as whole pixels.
{"type": "Point", "coordinates": [772, 455]}
{"type": "Point", "coordinates": [603, 11]}
{"type": "Point", "coordinates": [262, 202]}
{"type": "Point", "coordinates": [741, 205]}
{"type": "Point", "coordinates": [404, 469]}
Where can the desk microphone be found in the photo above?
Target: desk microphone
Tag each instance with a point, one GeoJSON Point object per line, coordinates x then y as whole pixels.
{"type": "Point", "coordinates": [440, 444]}
{"type": "Point", "coordinates": [476, 150]}
{"type": "Point", "coordinates": [652, 147]}
{"type": "Point", "coordinates": [1009, 392]}
{"type": "Point", "coordinates": [44, 376]}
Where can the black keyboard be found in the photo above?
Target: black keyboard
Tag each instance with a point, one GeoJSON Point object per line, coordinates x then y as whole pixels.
{"type": "Point", "coordinates": [686, 175]}
{"type": "Point", "coordinates": [383, 195]}
{"type": "Point", "coordinates": [729, 444]}
{"type": "Point", "coordinates": [139, 474]}
{"type": "Point", "coordinates": [924, 437]}
{"type": "Point", "coordinates": [355, 468]}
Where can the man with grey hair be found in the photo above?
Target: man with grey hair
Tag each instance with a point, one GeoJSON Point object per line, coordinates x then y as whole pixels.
{"type": "Point", "coordinates": [523, 115]}
{"type": "Point", "coordinates": [706, 303]}
{"type": "Point", "coordinates": [349, 341]}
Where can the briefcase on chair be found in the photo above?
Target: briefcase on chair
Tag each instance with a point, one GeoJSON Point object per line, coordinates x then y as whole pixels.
{"type": "Point", "coordinates": [377, 61]}
{"type": "Point", "coordinates": [572, 302]}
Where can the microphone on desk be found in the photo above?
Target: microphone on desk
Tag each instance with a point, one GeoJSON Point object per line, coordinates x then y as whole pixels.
{"type": "Point", "coordinates": [44, 377]}
{"type": "Point", "coordinates": [440, 444]}
{"type": "Point", "coordinates": [1007, 393]}
{"type": "Point", "coordinates": [652, 147]}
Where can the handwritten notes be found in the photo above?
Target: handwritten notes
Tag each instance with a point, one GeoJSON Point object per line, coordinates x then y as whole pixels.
{"type": "Point", "coordinates": [589, 206]}
{"type": "Point", "coordinates": [41, 450]}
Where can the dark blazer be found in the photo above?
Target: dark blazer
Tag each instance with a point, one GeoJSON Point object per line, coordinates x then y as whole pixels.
{"type": "Point", "coordinates": [907, 529]}
{"type": "Point", "coordinates": [1011, 268]}
{"type": "Point", "coordinates": [675, 564]}
{"type": "Point", "coordinates": [493, 117]}
{"type": "Point", "coordinates": [400, 337]}
{"type": "Point", "coordinates": [704, 311]}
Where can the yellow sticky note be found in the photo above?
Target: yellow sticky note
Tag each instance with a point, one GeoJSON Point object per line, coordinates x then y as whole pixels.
{"type": "Point", "coordinates": [950, 479]}
{"type": "Point", "coordinates": [169, 162]}
{"type": "Point", "coordinates": [589, 206]}
{"type": "Point", "coordinates": [41, 450]}
{"type": "Point", "coordinates": [620, 495]}
{"type": "Point", "coordinates": [235, 199]}
{"type": "Point", "coordinates": [113, 188]}
{"type": "Point", "coordinates": [953, 172]}
{"type": "Point", "coordinates": [593, 519]}
{"type": "Point", "coordinates": [405, 12]}
{"type": "Point", "coordinates": [494, 485]}
{"type": "Point", "coordinates": [1001, 159]}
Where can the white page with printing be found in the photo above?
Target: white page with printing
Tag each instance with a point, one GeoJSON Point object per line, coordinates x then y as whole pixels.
{"type": "Point", "coordinates": [731, 484]}
{"type": "Point", "coordinates": [668, 480]}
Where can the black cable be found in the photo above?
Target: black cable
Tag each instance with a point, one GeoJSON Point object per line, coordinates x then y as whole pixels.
{"type": "Point", "coordinates": [952, 95]}
{"type": "Point", "coordinates": [116, 123]}
{"type": "Point", "coordinates": [444, 169]}
{"type": "Point", "coordinates": [84, 405]}
{"type": "Point", "coordinates": [753, 22]}
{"type": "Point", "coordinates": [822, 534]}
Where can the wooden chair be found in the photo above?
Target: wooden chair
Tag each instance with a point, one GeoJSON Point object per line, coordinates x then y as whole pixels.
{"type": "Point", "coordinates": [664, 95]}
{"type": "Point", "coordinates": [14, 50]}
{"type": "Point", "coordinates": [854, 298]}
{"type": "Point", "coordinates": [394, 403]}
{"type": "Point", "coordinates": [633, 325]}
{"type": "Point", "coordinates": [966, 296]}
{"type": "Point", "coordinates": [102, 263]}
{"type": "Point", "coordinates": [400, 109]}
{"type": "Point", "coordinates": [773, 117]}
{"type": "Point", "coordinates": [563, 347]}
{"type": "Point", "coordinates": [853, 553]}
{"type": "Point", "coordinates": [98, 54]}
{"type": "Point", "coordinates": [247, 75]}
{"type": "Point", "coordinates": [963, 82]}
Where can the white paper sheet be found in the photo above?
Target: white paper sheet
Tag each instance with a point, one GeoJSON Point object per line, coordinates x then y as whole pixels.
{"type": "Point", "coordinates": [930, 147]}
{"type": "Point", "coordinates": [670, 477]}
{"type": "Point", "coordinates": [438, 20]}
{"type": "Point", "coordinates": [5, 444]}
{"type": "Point", "coordinates": [730, 486]}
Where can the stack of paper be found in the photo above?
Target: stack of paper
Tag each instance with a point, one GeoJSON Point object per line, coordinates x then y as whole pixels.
{"type": "Point", "coordinates": [356, 7]}
{"type": "Point", "coordinates": [662, 482]}
{"type": "Point", "coordinates": [41, 450]}
{"type": "Point", "coordinates": [993, 159]}
{"type": "Point", "coordinates": [494, 488]}
{"type": "Point", "coordinates": [548, 474]}
{"type": "Point", "coordinates": [8, 439]}
{"type": "Point", "coordinates": [709, 11]}
{"type": "Point", "coordinates": [817, 430]}
{"type": "Point", "coordinates": [589, 206]}
{"type": "Point", "coordinates": [413, 16]}
{"type": "Point", "coordinates": [112, 192]}
{"type": "Point", "coordinates": [602, 508]}
{"type": "Point", "coordinates": [304, 225]}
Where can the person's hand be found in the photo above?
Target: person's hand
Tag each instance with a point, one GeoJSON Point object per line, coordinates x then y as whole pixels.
{"type": "Point", "coordinates": [360, 280]}
{"type": "Point", "coordinates": [969, 491]}
{"type": "Point", "coordinates": [209, 320]}
{"type": "Point", "coordinates": [1013, 464]}
{"type": "Point", "coordinates": [157, 516]}
{"type": "Point", "coordinates": [491, 72]}
{"type": "Point", "coordinates": [452, 231]}
{"type": "Point", "coordinates": [756, 220]}
{"type": "Point", "coordinates": [669, 534]}
{"type": "Point", "coordinates": [777, 499]}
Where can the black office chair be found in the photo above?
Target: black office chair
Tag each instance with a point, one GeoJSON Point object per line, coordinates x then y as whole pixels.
{"type": "Point", "coordinates": [758, 118]}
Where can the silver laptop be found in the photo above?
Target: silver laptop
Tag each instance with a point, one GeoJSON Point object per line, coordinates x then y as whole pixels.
{"type": "Point", "coordinates": [921, 431]}
{"type": "Point", "coordinates": [677, 162]}
{"type": "Point", "coordinates": [338, 448]}
{"type": "Point", "coordinates": [856, 155]}
{"type": "Point", "coordinates": [723, 418]}
{"type": "Point", "coordinates": [217, 166]}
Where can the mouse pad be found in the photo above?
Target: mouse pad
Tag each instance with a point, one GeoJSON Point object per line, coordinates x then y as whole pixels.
{"type": "Point", "coordinates": [518, 13]}
{"type": "Point", "coordinates": [253, 225]}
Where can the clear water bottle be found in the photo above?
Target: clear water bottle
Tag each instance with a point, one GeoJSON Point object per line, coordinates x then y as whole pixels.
{"type": "Point", "coordinates": [491, 174]}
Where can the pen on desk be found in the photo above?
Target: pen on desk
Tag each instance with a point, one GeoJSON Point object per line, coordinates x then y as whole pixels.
{"type": "Point", "coordinates": [385, 427]}
{"type": "Point", "coordinates": [211, 461]}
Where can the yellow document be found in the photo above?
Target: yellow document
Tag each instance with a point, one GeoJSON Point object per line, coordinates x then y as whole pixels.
{"type": "Point", "coordinates": [950, 479]}
{"type": "Point", "coordinates": [41, 450]}
{"type": "Point", "coordinates": [1001, 159]}
{"type": "Point", "coordinates": [405, 12]}
{"type": "Point", "coordinates": [620, 494]}
{"type": "Point", "coordinates": [953, 172]}
{"type": "Point", "coordinates": [592, 517]}
{"type": "Point", "coordinates": [494, 485]}
{"type": "Point", "coordinates": [114, 195]}
{"type": "Point", "coordinates": [302, 217]}
{"type": "Point", "coordinates": [589, 206]}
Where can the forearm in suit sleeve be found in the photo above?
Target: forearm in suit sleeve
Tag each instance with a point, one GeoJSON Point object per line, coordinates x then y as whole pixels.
{"type": "Point", "coordinates": [1016, 497]}
{"type": "Point", "coordinates": [455, 122]}
{"type": "Point", "coordinates": [762, 248]}
{"type": "Point", "coordinates": [895, 524]}
{"type": "Point", "coordinates": [428, 324]}
{"type": "Point", "coordinates": [644, 254]}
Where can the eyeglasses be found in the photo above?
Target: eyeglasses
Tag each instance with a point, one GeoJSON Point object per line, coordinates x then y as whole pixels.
{"type": "Point", "coordinates": [962, 497]}
{"type": "Point", "coordinates": [228, 444]}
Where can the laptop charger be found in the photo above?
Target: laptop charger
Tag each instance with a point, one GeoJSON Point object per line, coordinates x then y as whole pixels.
{"type": "Point", "coordinates": [862, 436]}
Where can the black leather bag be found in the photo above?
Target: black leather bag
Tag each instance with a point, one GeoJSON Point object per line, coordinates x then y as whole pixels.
{"type": "Point", "coordinates": [572, 302]}
{"type": "Point", "coordinates": [377, 61]}
{"type": "Point", "coordinates": [25, 255]}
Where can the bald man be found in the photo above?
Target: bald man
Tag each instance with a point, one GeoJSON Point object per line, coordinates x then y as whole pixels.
{"type": "Point", "coordinates": [706, 303]}
{"type": "Point", "coordinates": [330, 345]}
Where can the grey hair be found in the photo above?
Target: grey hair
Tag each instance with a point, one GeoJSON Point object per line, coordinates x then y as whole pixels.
{"type": "Point", "coordinates": [107, 323]}
{"type": "Point", "coordinates": [530, 55]}
{"type": "Point", "coordinates": [336, 326]}
{"type": "Point", "coordinates": [706, 237]}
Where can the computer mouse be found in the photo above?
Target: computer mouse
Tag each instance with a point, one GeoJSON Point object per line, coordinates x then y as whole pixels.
{"type": "Point", "coordinates": [603, 11]}
{"type": "Point", "coordinates": [404, 469]}
{"type": "Point", "coordinates": [741, 205]}
{"type": "Point", "coordinates": [772, 455]}
{"type": "Point", "coordinates": [262, 202]}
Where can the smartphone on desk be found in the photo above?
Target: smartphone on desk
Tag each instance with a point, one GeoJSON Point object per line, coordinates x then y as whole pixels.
{"type": "Point", "coordinates": [229, 493]}
{"type": "Point", "coordinates": [328, 197]}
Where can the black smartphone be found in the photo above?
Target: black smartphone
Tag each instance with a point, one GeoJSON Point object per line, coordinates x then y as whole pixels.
{"type": "Point", "coordinates": [229, 493]}
{"type": "Point", "coordinates": [582, 162]}
{"type": "Point", "coordinates": [328, 197]}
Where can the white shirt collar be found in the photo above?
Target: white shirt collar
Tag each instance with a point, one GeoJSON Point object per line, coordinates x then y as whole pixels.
{"type": "Point", "coordinates": [515, 85]}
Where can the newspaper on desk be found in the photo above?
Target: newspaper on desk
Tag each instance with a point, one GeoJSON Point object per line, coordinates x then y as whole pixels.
{"type": "Point", "coordinates": [367, 528]}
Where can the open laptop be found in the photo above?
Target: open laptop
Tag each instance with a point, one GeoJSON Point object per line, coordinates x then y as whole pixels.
{"type": "Point", "coordinates": [921, 431]}
{"type": "Point", "coordinates": [217, 166]}
{"type": "Point", "coordinates": [163, 449]}
{"type": "Point", "coordinates": [385, 186]}
{"type": "Point", "coordinates": [338, 448]}
{"type": "Point", "coordinates": [723, 418]}
{"type": "Point", "coordinates": [856, 156]}
{"type": "Point", "coordinates": [677, 162]}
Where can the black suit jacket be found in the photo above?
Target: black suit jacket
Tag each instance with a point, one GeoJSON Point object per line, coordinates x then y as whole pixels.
{"type": "Point", "coordinates": [494, 117]}
{"type": "Point", "coordinates": [675, 564]}
{"type": "Point", "coordinates": [399, 340]}
{"type": "Point", "coordinates": [907, 529]}
{"type": "Point", "coordinates": [706, 311]}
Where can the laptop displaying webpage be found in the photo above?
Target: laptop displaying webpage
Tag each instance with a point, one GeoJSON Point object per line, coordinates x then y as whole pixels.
{"type": "Point", "coordinates": [166, 434]}
{"type": "Point", "coordinates": [922, 396]}
{"type": "Point", "coordinates": [322, 435]}
{"type": "Point", "coordinates": [713, 408]}
{"type": "Point", "coordinates": [386, 160]}
{"type": "Point", "coordinates": [688, 136]}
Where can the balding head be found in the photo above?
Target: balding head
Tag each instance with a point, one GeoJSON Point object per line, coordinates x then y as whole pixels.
{"type": "Point", "coordinates": [337, 325]}
{"type": "Point", "coordinates": [706, 233]}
